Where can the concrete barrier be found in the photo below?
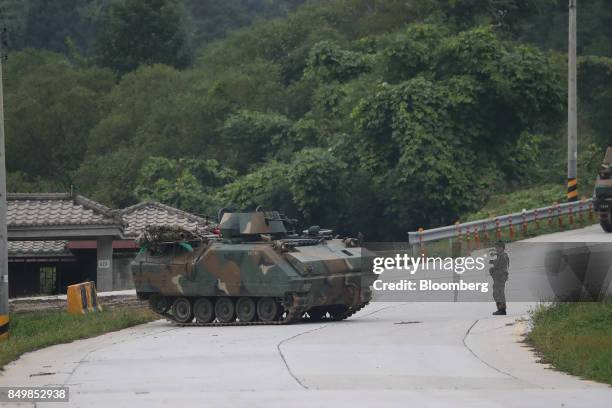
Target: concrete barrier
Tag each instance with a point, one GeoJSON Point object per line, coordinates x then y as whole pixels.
{"type": "Point", "coordinates": [82, 298]}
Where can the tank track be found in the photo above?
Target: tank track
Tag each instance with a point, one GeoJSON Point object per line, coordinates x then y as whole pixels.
{"type": "Point", "coordinates": [293, 315]}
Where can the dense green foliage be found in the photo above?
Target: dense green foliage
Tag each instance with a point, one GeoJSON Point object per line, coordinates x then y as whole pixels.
{"type": "Point", "coordinates": [375, 116]}
{"type": "Point", "coordinates": [575, 338]}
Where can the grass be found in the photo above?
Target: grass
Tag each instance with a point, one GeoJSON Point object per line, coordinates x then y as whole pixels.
{"type": "Point", "coordinates": [516, 201]}
{"type": "Point", "coordinates": [575, 338]}
{"type": "Point", "coordinates": [33, 331]}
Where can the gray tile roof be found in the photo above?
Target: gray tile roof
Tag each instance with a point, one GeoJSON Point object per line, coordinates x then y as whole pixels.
{"type": "Point", "coordinates": [153, 213]}
{"type": "Point", "coordinates": [30, 248]}
{"type": "Point", "coordinates": [26, 210]}
{"type": "Point", "coordinates": [58, 209]}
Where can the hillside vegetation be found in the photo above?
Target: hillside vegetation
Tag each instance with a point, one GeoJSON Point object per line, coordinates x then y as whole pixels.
{"type": "Point", "coordinates": [375, 116]}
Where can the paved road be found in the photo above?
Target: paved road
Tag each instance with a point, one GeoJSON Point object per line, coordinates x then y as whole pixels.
{"type": "Point", "coordinates": [389, 354]}
{"type": "Point", "coordinates": [594, 233]}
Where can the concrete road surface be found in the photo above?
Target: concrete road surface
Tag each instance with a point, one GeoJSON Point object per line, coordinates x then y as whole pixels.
{"type": "Point", "coordinates": [594, 233]}
{"type": "Point", "coordinates": [418, 354]}
{"type": "Point", "coordinates": [389, 354]}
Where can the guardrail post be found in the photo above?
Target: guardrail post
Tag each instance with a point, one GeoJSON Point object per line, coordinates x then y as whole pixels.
{"type": "Point", "coordinates": [467, 239]}
{"type": "Point", "coordinates": [535, 219]}
{"type": "Point", "coordinates": [421, 245]}
{"type": "Point", "coordinates": [571, 215]}
{"type": "Point", "coordinates": [485, 232]}
{"type": "Point", "coordinates": [498, 228]}
{"type": "Point", "coordinates": [511, 227]}
{"type": "Point", "coordinates": [591, 210]}
{"type": "Point", "coordinates": [524, 226]}
{"type": "Point", "coordinates": [550, 217]}
{"type": "Point", "coordinates": [581, 209]}
{"type": "Point", "coordinates": [476, 237]}
{"type": "Point", "coordinates": [559, 214]}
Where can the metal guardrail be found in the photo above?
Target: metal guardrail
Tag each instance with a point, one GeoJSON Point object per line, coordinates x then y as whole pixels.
{"type": "Point", "coordinates": [516, 219]}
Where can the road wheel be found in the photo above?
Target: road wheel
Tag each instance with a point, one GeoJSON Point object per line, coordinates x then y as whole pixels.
{"type": "Point", "coordinates": [182, 310]}
{"type": "Point", "coordinates": [204, 310]}
{"type": "Point", "coordinates": [267, 309]}
{"type": "Point", "coordinates": [245, 309]}
{"type": "Point", "coordinates": [159, 304]}
{"type": "Point", "coordinates": [225, 310]}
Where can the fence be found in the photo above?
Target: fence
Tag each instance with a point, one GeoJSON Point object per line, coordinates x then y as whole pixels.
{"type": "Point", "coordinates": [476, 230]}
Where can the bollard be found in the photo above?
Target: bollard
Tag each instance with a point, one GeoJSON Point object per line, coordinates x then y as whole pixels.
{"type": "Point", "coordinates": [4, 326]}
{"type": "Point", "coordinates": [82, 298]}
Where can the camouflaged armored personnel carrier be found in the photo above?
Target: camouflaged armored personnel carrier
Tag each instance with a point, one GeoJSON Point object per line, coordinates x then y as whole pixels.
{"type": "Point", "coordinates": [602, 197]}
{"type": "Point", "coordinates": [253, 272]}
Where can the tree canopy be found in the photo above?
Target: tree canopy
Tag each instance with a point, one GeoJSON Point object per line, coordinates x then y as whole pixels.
{"type": "Point", "coordinates": [376, 116]}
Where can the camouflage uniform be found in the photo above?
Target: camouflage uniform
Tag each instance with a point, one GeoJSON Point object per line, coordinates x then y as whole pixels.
{"type": "Point", "coordinates": [499, 273]}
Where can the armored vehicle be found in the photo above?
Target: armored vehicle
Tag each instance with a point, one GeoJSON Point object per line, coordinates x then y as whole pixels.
{"type": "Point", "coordinates": [254, 272]}
{"type": "Point", "coordinates": [602, 197]}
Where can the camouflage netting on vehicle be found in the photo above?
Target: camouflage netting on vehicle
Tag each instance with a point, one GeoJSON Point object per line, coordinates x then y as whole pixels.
{"type": "Point", "coordinates": [154, 236]}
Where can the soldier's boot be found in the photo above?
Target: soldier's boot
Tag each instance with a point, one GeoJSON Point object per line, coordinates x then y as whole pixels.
{"type": "Point", "coordinates": [501, 309]}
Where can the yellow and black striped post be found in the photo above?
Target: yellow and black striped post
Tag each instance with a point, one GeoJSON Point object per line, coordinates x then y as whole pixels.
{"type": "Point", "coordinates": [4, 326]}
{"type": "Point", "coordinates": [572, 189]}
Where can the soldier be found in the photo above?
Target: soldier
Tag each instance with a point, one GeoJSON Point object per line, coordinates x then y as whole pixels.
{"type": "Point", "coordinates": [499, 273]}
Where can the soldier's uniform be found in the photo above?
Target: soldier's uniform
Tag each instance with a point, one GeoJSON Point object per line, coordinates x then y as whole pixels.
{"type": "Point", "coordinates": [499, 273]}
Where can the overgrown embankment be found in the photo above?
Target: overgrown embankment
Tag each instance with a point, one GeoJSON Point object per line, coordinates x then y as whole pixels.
{"type": "Point", "coordinates": [575, 338]}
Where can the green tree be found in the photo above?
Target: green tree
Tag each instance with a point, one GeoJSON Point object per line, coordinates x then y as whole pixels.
{"type": "Point", "coordinates": [328, 62]}
{"type": "Point", "coordinates": [141, 32]}
{"type": "Point", "coordinates": [266, 186]}
{"type": "Point", "coordinates": [110, 178]}
{"type": "Point", "coordinates": [318, 184]}
{"type": "Point", "coordinates": [50, 108]}
{"type": "Point", "coordinates": [251, 137]}
{"type": "Point", "coordinates": [175, 182]}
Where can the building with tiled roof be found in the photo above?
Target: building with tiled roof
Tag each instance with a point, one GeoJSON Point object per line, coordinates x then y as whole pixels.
{"type": "Point", "coordinates": [59, 239]}
{"type": "Point", "coordinates": [138, 216]}
{"type": "Point", "coordinates": [38, 248]}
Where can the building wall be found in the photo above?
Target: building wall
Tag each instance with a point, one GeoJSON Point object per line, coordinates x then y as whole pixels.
{"type": "Point", "coordinates": [25, 275]}
{"type": "Point", "coordinates": [122, 273]}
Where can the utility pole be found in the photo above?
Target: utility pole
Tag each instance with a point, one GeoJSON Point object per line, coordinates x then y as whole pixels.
{"type": "Point", "coordinates": [572, 109]}
{"type": "Point", "coordinates": [4, 277]}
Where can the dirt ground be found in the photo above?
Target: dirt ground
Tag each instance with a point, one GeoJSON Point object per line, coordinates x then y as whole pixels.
{"type": "Point", "coordinates": [26, 305]}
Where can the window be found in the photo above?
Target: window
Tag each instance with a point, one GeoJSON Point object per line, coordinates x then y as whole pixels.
{"type": "Point", "coordinates": [48, 276]}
